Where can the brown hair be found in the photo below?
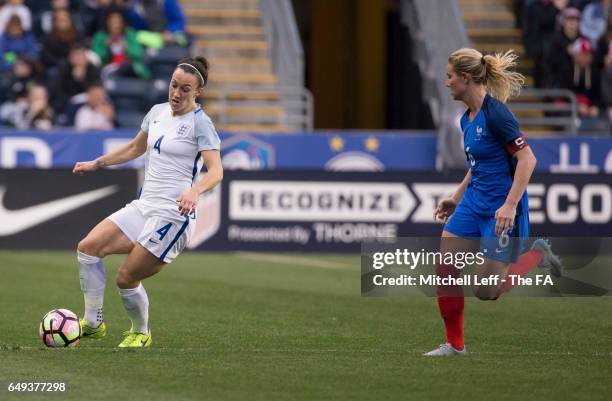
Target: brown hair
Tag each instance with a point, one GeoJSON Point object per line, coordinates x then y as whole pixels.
{"type": "Point", "coordinates": [200, 64]}
{"type": "Point", "coordinates": [68, 35]}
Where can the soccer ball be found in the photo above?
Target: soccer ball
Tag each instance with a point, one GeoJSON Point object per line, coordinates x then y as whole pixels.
{"type": "Point", "coordinates": [60, 328]}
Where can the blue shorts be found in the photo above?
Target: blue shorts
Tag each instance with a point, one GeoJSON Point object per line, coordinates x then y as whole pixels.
{"type": "Point", "coordinates": [466, 223]}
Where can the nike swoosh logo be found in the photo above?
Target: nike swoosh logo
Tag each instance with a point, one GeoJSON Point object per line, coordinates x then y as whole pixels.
{"type": "Point", "coordinates": [15, 221]}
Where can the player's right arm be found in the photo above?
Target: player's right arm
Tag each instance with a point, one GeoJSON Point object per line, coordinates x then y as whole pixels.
{"type": "Point", "coordinates": [130, 151]}
{"type": "Point", "coordinates": [447, 206]}
{"type": "Point", "coordinates": [462, 187]}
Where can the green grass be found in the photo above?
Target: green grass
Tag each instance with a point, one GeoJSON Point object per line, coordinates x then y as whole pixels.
{"type": "Point", "coordinates": [234, 327]}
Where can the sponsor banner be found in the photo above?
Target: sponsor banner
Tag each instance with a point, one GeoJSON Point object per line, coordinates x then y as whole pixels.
{"type": "Point", "coordinates": [331, 151]}
{"type": "Point", "coordinates": [285, 211]}
{"type": "Point", "coordinates": [319, 211]}
{"type": "Point", "coordinates": [374, 151]}
{"type": "Point", "coordinates": [574, 155]}
{"type": "Point", "coordinates": [54, 209]}
{"type": "Point", "coordinates": [35, 149]}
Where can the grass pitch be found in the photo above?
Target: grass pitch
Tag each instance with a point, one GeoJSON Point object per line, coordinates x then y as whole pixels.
{"type": "Point", "coordinates": [262, 327]}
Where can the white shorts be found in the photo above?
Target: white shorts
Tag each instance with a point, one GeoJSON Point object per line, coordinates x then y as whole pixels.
{"type": "Point", "coordinates": [164, 237]}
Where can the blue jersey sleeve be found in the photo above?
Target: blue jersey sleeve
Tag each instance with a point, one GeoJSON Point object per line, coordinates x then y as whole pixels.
{"type": "Point", "coordinates": [503, 125]}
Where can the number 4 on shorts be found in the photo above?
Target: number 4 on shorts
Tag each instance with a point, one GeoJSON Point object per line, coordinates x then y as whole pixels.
{"type": "Point", "coordinates": [164, 230]}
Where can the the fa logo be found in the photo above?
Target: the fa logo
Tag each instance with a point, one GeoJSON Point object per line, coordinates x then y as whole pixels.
{"type": "Point", "coordinates": [182, 130]}
{"type": "Point", "coordinates": [478, 132]}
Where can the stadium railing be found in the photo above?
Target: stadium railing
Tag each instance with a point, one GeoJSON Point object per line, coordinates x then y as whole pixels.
{"type": "Point", "coordinates": [299, 103]}
{"type": "Point", "coordinates": [297, 108]}
{"type": "Point", "coordinates": [555, 110]}
{"type": "Point", "coordinates": [288, 61]}
{"type": "Point", "coordinates": [436, 28]}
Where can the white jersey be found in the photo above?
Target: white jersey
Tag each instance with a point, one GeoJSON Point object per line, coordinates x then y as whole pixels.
{"type": "Point", "coordinates": [172, 160]}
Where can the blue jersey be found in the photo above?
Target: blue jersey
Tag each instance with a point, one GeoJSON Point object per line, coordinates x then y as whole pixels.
{"type": "Point", "coordinates": [490, 141]}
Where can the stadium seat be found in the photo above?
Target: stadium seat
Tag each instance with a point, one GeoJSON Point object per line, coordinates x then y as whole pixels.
{"type": "Point", "coordinates": [162, 61]}
{"type": "Point", "coordinates": [128, 118]}
{"type": "Point", "coordinates": [158, 91]}
{"type": "Point", "coordinates": [128, 93]}
{"type": "Point", "coordinates": [126, 86]}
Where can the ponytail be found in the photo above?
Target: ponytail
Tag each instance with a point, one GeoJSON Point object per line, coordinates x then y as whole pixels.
{"type": "Point", "coordinates": [501, 82]}
{"type": "Point", "coordinates": [492, 71]}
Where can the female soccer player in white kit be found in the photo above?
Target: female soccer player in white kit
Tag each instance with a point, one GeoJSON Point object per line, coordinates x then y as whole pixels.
{"type": "Point", "coordinates": [153, 229]}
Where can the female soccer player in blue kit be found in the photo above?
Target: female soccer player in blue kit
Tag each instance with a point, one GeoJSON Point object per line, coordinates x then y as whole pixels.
{"type": "Point", "coordinates": [489, 211]}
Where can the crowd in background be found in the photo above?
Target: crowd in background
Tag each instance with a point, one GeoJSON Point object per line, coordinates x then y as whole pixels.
{"type": "Point", "coordinates": [55, 56]}
{"type": "Point", "coordinates": [69, 48]}
{"type": "Point", "coordinates": [570, 42]}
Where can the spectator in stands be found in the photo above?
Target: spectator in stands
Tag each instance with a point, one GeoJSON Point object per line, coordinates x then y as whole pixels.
{"type": "Point", "coordinates": [56, 46]}
{"type": "Point", "coordinates": [94, 12]}
{"type": "Point", "coordinates": [570, 60]}
{"type": "Point", "coordinates": [33, 114]}
{"type": "Point", "coordinates": [25, 73]}
{"type": "Point", "coordinates": [540, 24]}
{"type": "Point", "coordinates": [164, 16]}
{"type": "Point", "coordinates": [12, 8]}
{"type": "Point", "coordinates": [44, 20]}
{"type": "Point", "coordinates": [14, 42]}
{"type": "Point", "coordinates": [603, 63]}
{"type": "Point", "coordinates": [586, 81]}
{"type": "Point", "coordinates": [593, 21]}
{"type": "Point", "coordinates": [97, 113]}
{"type": "Point", "coordinates": [118, 49]}
{"type": "Point", "coordinates": [73, 79]}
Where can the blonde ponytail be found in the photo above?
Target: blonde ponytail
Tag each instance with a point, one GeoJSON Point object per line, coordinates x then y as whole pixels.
{"type": "Point", "coordinates": [499, 79]}
{"type": "Point", "coordinates": [492, 71]}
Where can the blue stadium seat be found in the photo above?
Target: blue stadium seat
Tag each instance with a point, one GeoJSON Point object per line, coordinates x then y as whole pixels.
{"type": "Point", "coordinates": [129, 93]}
{"type": "Point", "coordinates": [128, 118]}
{"type": "Point", "coordinates": [126, 86]}
{"type": "Point", "coordinates": [162, 61]}
{"type": "Point", "coordinates": [158, 91]}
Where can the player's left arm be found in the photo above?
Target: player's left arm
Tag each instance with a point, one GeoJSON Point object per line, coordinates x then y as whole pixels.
{"type": "Point", "coordinates": [504, 216]}
{"type": "Point", "coordinates": [505, 128]}
{"type": "Point", "coordinates": [214, 174]}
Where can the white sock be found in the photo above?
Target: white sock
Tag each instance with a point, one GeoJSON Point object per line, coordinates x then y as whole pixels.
{"type": "Point", "coordinates": [93, 280]}
{"type": "Point", "coordinates": [136, 304]}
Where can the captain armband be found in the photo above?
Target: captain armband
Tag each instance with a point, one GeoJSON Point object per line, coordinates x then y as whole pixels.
{"type": "Point", "coordinates": [516, 144]}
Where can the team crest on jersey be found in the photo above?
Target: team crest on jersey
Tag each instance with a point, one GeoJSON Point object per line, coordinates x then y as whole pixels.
{"type": "Point", "coordinates": [478, 132]}
{"type": "Point", "coordinates": [182, 130]}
